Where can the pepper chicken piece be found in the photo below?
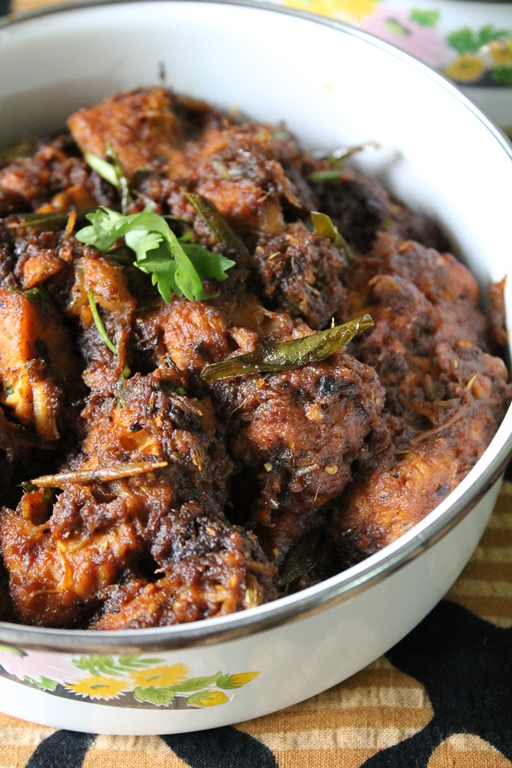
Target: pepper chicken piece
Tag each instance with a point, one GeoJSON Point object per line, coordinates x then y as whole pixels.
{"type": "Point", "coordinates": [298, 434]}
{"type": "Point", "coordinates": [38, 369]}
{"type": "Point", "coordinates": [444, 392]}
{"type": "Point", "coordinates": [301, 272]}
{"type": "Point", "coordinates": [50, 177]}
{"type": "Point", "coordinates": [140, 126]}
{"type": "Point", "coordinates": [396, 494]}
{"type": "Point", "coordinates": [165, 455]}
{"type": "Point", "coordinates": [59, 565]}
{"type": "Point", "coordinates": [210, 568]}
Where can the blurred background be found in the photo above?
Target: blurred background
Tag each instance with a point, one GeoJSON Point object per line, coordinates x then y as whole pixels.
{"type": "Point", "coordinates": [469, 42]}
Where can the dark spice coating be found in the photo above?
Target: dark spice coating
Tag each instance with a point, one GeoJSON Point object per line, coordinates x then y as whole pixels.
{"type": "Point", "coordinates": [176, 499]}
{"type": "Point", "coordinates": [445, 392]}
{"type": "Point", "coordinates": [298, 434]}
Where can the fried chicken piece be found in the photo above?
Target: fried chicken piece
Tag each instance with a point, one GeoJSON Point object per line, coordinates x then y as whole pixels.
{"type": "Point", "coordinates": [298, 433]}
{"type": "Point", "coordinates": [401, 349]}
{"type": "Point", "coordinates": [301, 272]}
{"type": "Point", "coordinates": [361, 208]}
{"type": "Point", "coordinates": [250, 172]}
{"type": "Point", "coordinates": [387, 501]}
{"type": "Point", "coordinates": [418, 300]}
{"type": "Point", "coordinates": [238, 168]}
{"type": "Point", "coordinates": [52, 178]}
{"type": "Point", "coordinates": [140, 126]}
{"type": "Point", "coordinates": [59, 565]}
{"type": "Point", "coordinates": [61, 560]}
{"type": "Point", "coordinates": [444, 281]}
{"type": "Point", "coordinates": [149, 420]}
{"type": "Point", "coordinates": [445, 395]}
{"type": "Point", "coordinates": [98, 277]}
{"type": "Point", "coordinates": [192, 334]}
{"type": "Point", "coordinates": [34, 255]}
{"type": "Point", "coordinates": [38, 367]}
{"type": "Point", "coordinates": [211, 568]}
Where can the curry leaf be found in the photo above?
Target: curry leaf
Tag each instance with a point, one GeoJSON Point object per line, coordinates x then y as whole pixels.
{"type": "Point", "coordinates": [324, 225]}
{"type": "Point", "coordinates": [287, 355]}
{"type": "Point", "coordinates": [217, 224]}
{"type": "Point", "coordinates": [208, 265]}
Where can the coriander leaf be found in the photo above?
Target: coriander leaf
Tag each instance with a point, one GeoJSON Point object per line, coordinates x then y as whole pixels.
{"type": "Point", "coordinates": [158, 251]}
{"type": "Point", "coordinates": [162, 271]}
{"type": "Point", "coordinates": [207, 264]}
{"type": "Point", "coordinates": [102, 232]}
{"type": "Point", "coordinates": [185, 276]}
{"type": "Point", "coordinates": [142, 240]}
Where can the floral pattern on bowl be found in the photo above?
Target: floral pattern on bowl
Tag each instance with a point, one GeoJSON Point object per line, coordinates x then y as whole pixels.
{"type": "Point", "coordinates": [471, 43]}
{"type": "Point", "coordinates": [125, 681]}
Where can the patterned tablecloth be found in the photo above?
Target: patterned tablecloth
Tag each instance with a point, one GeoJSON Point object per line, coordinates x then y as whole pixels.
{"type": "Point", "coordinates": [442, 698]}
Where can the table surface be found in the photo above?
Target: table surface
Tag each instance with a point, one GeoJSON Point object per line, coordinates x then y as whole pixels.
{"type": "Point", "coordinates": [406, 710]}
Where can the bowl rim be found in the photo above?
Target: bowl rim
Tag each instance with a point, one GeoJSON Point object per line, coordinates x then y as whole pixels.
{"type": "Point", "coordinates": [348, 583]}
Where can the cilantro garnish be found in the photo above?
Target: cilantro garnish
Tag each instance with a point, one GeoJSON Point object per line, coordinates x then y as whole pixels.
{"type": "Point", "coordinates": [176, 267]}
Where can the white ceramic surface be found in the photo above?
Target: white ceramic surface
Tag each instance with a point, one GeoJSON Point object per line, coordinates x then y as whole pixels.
{"type": "Point", "coordinates": [469, 41]}
{"type": "Point", "coordinates": [441, 155]}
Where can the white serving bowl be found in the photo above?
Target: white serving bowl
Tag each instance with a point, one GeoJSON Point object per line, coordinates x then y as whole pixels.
{"type": "Point", "coordinates": [333, 86]}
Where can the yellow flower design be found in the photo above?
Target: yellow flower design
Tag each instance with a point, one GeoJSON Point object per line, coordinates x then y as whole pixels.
{"type": "Point", "coordinates": [501, 52]}
{"type": "Point", "coordinates": [160, 677]}
{"type": "Point", "coordinates": [352, 9]}
{"type": "Point", "coordinates": [242, 678]}
{"type": "Point", "coordinates": [465, 69]}
{"type": "Point", "coordinates": [99, 687]}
